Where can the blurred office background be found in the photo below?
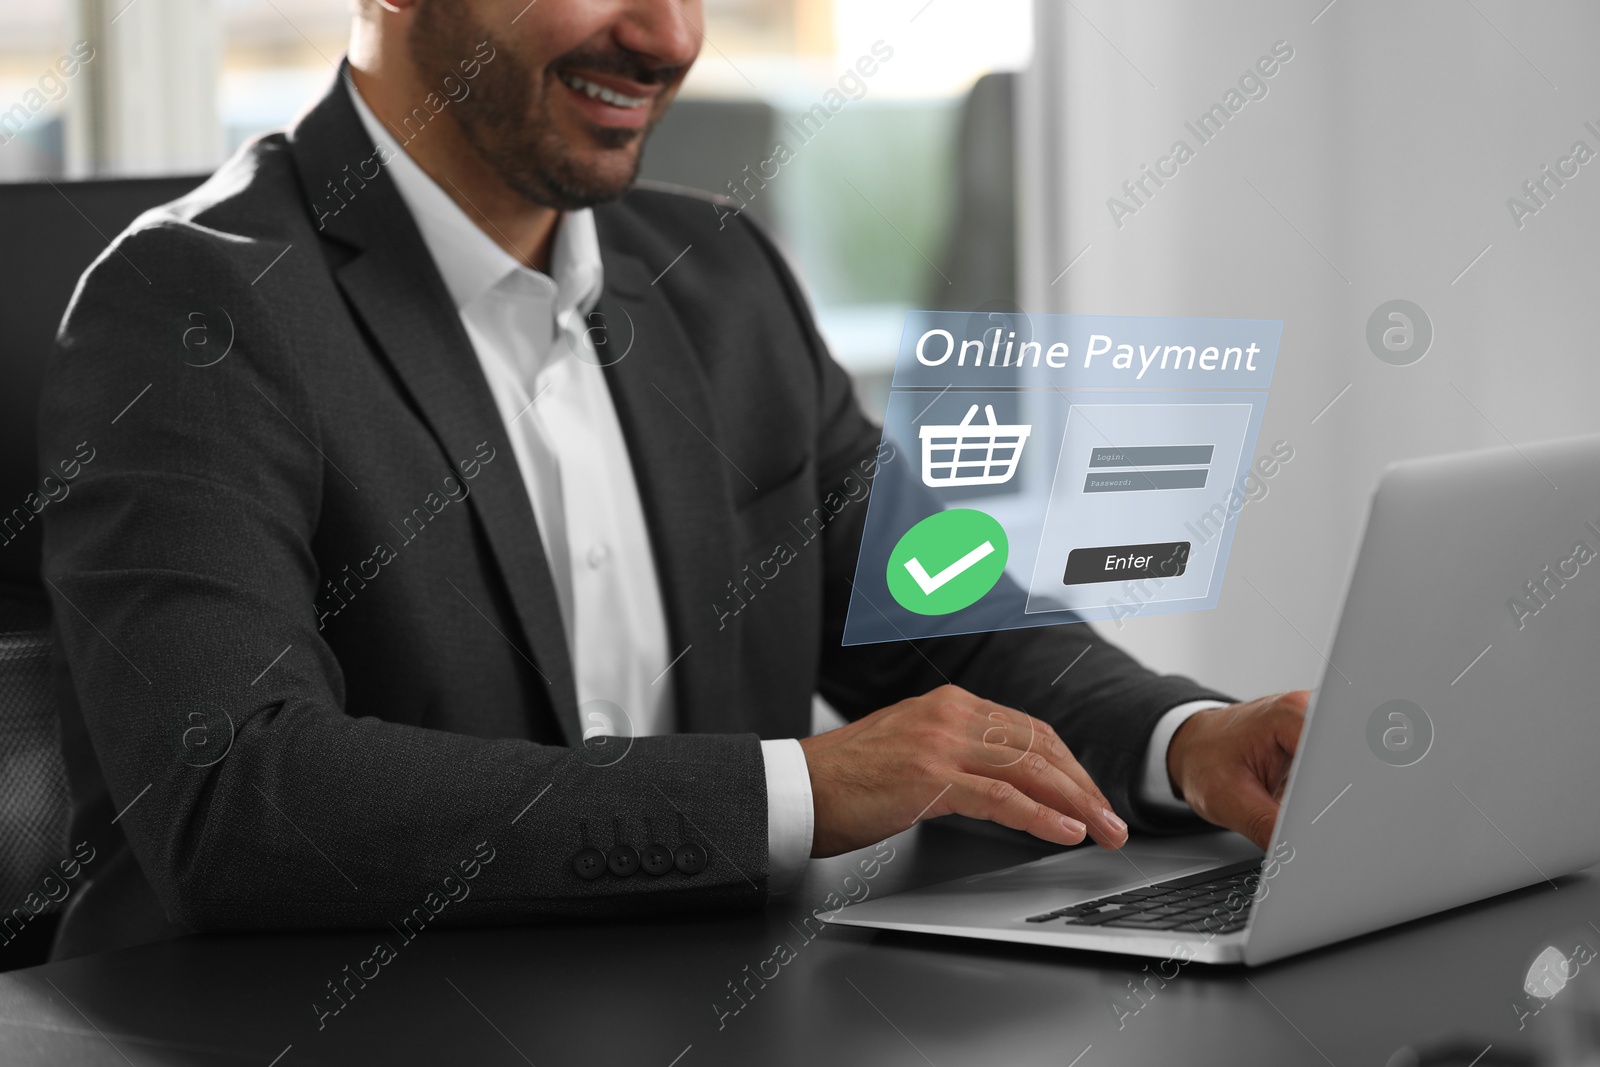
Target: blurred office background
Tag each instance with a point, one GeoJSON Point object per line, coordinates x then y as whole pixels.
{"type": "Point", "coordinates": [975, 171]}
{"type": "Point", "coordinates": [868, 211]}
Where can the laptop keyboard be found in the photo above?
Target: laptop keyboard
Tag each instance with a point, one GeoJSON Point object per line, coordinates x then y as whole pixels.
{"type": "Point", "coordinates": [1216, 902]}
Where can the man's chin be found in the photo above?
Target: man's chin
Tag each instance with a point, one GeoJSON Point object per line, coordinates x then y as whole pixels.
{"type": "Point", "coordinates": [562, 163]}
{"type": "Point", "coordinates": [581, 183]}
{"type": "Point", "coordinates": [613, 140]}
{"type": "Point", "coordinates": [603, 174]}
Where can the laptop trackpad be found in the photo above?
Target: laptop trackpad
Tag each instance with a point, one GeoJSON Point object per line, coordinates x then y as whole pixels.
{"type": "Point", "coordinates": [1056, 881]}
{"type": "Point", "coordinates": [1094, 869]}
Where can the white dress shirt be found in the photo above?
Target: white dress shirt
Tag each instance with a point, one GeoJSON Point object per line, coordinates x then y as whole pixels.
{"type": "Point", "coordinates": [529, 331]}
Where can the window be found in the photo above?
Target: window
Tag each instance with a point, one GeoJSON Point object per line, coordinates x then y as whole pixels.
{"type": "Point", "coordinates": [33, 39]}
{"type": "Point", "coordinates": [277, 57]}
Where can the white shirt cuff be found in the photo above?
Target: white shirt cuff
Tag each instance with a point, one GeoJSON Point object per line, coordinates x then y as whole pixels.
{"type": "Point", "coordinates": [1155, 788]}
{"type": "Point", "coordinates": [789, 813]}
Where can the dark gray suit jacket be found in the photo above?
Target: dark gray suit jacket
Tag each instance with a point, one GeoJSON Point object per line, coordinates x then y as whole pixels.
{"type": "Point", "coordinates": [311, 651]}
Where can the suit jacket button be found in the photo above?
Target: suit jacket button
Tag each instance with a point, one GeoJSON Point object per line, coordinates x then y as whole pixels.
{"type": "Point", "coordinates": [656, 859]}
{"type": "Point", "coordinates": [690, 858]}
{"type": "Point", "coordinates": [623, 860]}
{"type": "Point", "coordinates": [589, 863]}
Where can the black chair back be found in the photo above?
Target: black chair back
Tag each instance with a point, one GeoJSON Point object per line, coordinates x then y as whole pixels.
{"type": "Point", "coordinates": [53, 231]}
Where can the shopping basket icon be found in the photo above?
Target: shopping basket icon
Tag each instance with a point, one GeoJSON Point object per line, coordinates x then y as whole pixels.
{"type": "Point", "coordinates": [967, 454]}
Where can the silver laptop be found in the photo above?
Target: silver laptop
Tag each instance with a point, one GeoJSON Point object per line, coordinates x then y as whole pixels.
{"type": "Point", "coordinates": [1448, 754]}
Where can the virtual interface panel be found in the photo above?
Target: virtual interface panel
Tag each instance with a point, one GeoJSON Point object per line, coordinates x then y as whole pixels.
{"type": "Point", "coordinates": [1040, 469]}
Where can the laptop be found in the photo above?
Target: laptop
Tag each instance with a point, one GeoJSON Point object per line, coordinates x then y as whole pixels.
{"type": "Point", "coordinates": [1447, 756]}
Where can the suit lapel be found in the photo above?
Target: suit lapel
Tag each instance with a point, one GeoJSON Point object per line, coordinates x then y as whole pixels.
{"type": "Point", "coordinates": [400, 297]}
{"type": "Point", "coordinates": [663, 401]}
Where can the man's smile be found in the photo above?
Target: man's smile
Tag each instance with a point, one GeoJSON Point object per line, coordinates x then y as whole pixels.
{"type": "Point", "coordinates": [610, 101]}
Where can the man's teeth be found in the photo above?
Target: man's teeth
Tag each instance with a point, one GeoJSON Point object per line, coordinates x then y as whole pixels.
{"type": "Point", "coordinates": [600, 92]}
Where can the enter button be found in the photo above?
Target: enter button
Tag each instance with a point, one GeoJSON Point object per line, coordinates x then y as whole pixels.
{"type": "Point", "coordinates": [1121, 563]}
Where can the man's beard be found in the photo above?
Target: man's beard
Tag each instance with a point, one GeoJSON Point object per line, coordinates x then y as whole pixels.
{"type": "Point", "coordinates": [506, 116]}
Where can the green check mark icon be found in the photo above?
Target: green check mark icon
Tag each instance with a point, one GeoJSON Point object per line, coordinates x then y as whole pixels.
{"type": "Point", "coordinates": [947, 562]}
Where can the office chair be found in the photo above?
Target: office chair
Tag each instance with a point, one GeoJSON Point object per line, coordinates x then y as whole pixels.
{"type": "Point", "coordinates": [980, 259]}
{"type": "Point", "coordinates": [53, 232]}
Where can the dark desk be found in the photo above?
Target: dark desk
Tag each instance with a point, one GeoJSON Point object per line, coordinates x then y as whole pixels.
{"type": "Point", "coordinates": [650, 992]}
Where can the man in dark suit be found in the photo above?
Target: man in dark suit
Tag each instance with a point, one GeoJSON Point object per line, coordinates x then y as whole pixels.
{"type": "Point", "coordinates": [427, 451]}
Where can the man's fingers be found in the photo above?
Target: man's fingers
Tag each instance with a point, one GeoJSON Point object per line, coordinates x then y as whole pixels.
{"type": "Point", "coordinates": [1055, 750]}
{"type": "Point", "coordinates": [1026, 752]}
{"type": "Point", "coordinates": [1023, 776]}
{"type": "Point", "coordinates": [1047, 783]}
{"type": "Point", "coordinates": [1291, 718]}
{"type": "Point", "coordinates": [1248, 808]}
{"type": "Point", "coordinates": [1288, 721]}
{"type": "Point", "coordinates": [997, 800]}
{"type": "Point", "coordinates": [999, 735]}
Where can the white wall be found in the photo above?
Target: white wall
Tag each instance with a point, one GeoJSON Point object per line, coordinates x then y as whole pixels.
{"type": "Point", "coordinates": [1387, 147]}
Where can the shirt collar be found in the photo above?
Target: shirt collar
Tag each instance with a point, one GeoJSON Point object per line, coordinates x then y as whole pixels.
{"type": "Point", "coordinates": [469, 259]}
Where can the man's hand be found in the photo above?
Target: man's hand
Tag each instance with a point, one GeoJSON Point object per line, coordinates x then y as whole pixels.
{"type": "Point", "coordinates": [1231, 764]}
{"type": "Point", "coordinates": [949, 751]}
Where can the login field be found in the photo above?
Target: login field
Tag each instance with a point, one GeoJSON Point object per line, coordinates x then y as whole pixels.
{"type": "Point", "coordinates": [1152, 456]}
{"type": "Point", "coordinates": [1143, 481]}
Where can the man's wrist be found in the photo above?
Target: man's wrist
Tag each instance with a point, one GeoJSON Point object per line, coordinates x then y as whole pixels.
{"type": "Point", "coordinates": [1156, 787]}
